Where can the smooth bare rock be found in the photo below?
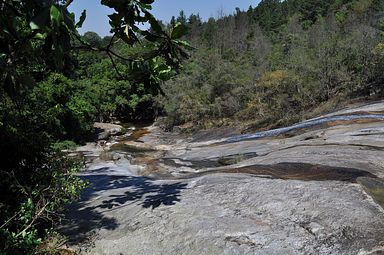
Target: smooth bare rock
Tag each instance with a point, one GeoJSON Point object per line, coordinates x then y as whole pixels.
{"type": "Point", "coordinates": [221, 214]}
{"type": "Point", "coordinates": [106, 130]}
{"type": "Point", "coordinates": [186, 204]}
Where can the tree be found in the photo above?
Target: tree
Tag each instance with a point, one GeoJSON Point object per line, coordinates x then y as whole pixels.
{"type": "Point", "coordinates": [194, 20]}
{"type": "Point", "coordinates": [93, 39]}
{"type": "Point", "coordinates": [269, 14]}
{"type": "Point", "coordinates": [281, 56]}
{"type": "Point", "coordinates": [40, 104]}
{"type": "Point", "coordinates": [173, 21]}
{"type": "Point", "coordinates": [182, 18]}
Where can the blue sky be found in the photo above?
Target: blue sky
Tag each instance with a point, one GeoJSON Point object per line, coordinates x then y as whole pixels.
{"type": "Point", "coordinates": [97, 19]}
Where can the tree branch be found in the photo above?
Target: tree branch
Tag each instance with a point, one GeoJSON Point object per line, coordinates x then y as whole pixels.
{"type": "Point", "coordinates": [114, 65]}
{"type": "Point", "coordinates": [68, 3]}
{"type": "Point", "coordinates": [33, 220]}
{"type": "Point", "coordinates": [9, 220]}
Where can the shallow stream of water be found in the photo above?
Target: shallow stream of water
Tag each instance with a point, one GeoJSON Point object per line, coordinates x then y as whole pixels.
{"type": "Point", "coordinates": [305, 124]}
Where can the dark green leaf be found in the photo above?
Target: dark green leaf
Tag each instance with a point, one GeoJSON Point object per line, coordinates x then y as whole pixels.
{"type": "Point", "coordinates": [115, 19]}
{"type": "Point", "coordinates": [150, 37]}
{"type": "Point", "coordinates": [69, 20]}
{"type": "Point", "coordinates": [154, 23]}
{"type": "Point", "coordinates": [147, 1]}
{"type": "Point", "coordinates": [178, 31]}
{"type": "Point", "coordinates": [40, 21]}
{"type": "Point", "coordinates": [145, 6]}
{"type": "Point", "coordinates": [82, 19]}
{"type": "Point", "coordinates": [184, 44]}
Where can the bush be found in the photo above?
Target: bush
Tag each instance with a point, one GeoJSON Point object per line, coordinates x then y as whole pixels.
{"type": "Point", "coordinates": [31, 205]}
{"type": "Point", "coordinates": [64, 145]}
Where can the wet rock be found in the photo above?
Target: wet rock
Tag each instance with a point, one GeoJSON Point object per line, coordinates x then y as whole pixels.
{"type": "Point", "coordinates": [374, 187]}
{"type": "Point", "coordinates": [297, 171]}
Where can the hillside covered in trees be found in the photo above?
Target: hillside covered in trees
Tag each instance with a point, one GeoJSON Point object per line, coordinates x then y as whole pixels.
{"type": "Point", "coordinates": [279, 62]}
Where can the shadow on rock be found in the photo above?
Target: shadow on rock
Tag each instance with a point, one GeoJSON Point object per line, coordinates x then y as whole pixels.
{"type": "Point", "coordinates": [89, 215]}
{"type": "Point", "coordinates": [144, 191]}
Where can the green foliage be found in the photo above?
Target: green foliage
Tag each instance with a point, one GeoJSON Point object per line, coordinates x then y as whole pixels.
{"type": "Point", "coordinates": [280, 89]}
{"type": "Point", "coordinates": [278, 61]}
{"type": "Point", "coordinates": [93, 39]}
{"type": "Point", "coordinates": [54, 84]}
{"type": "Point", "coordinates": [67, 113]}
{"type": "Point", "coordinates": [64, 145]}
{"type": "Point", "coordinates": [36, 206]}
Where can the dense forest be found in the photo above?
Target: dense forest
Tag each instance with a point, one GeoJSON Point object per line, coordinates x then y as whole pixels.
{"type": "Point", "coordinates": [277, 62]}
{"type": "Point", "coordinates": [280, 62]}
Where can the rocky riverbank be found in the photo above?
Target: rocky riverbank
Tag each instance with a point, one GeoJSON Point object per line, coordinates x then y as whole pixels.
{"type": "Point", "coordinates": [306, 189]}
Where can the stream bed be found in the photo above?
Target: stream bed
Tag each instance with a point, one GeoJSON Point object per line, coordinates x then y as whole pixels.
{"type": "Point", "coordinates": [319, 190]}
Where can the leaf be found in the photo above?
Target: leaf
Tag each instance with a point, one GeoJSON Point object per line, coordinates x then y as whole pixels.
{"type": "Point", "coordinates": [154, 23]}
{"type": "Point", "coordinates": [145, 6]}
{"type": "Point", "coordinates": [40, 21]}
{"type": "Point", "coordinates": [178, 31]}
{"type": "Point", "coordinates": [40, 36]}
{"type": "Point", "coordinates": [150, 37]}
{"type": "Point", "coordinates": [147, 1]}
{"type": "Point", "coordinates": [69, 20]}
{"type": "Point", "coordinates": [82, 19]}
{"type": "Point", "coordinates": [126, 31]}
{"type": "Point", "coordinates": [55, 14]}
{"type": "Point", "coordinates": [150, 55]}
{"type": "Point", "coordinates": [115, 19]}
{"type": "Point", "coordinates": [184, 44]}
{"type": "Point", "coordinates": [163, 71]}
